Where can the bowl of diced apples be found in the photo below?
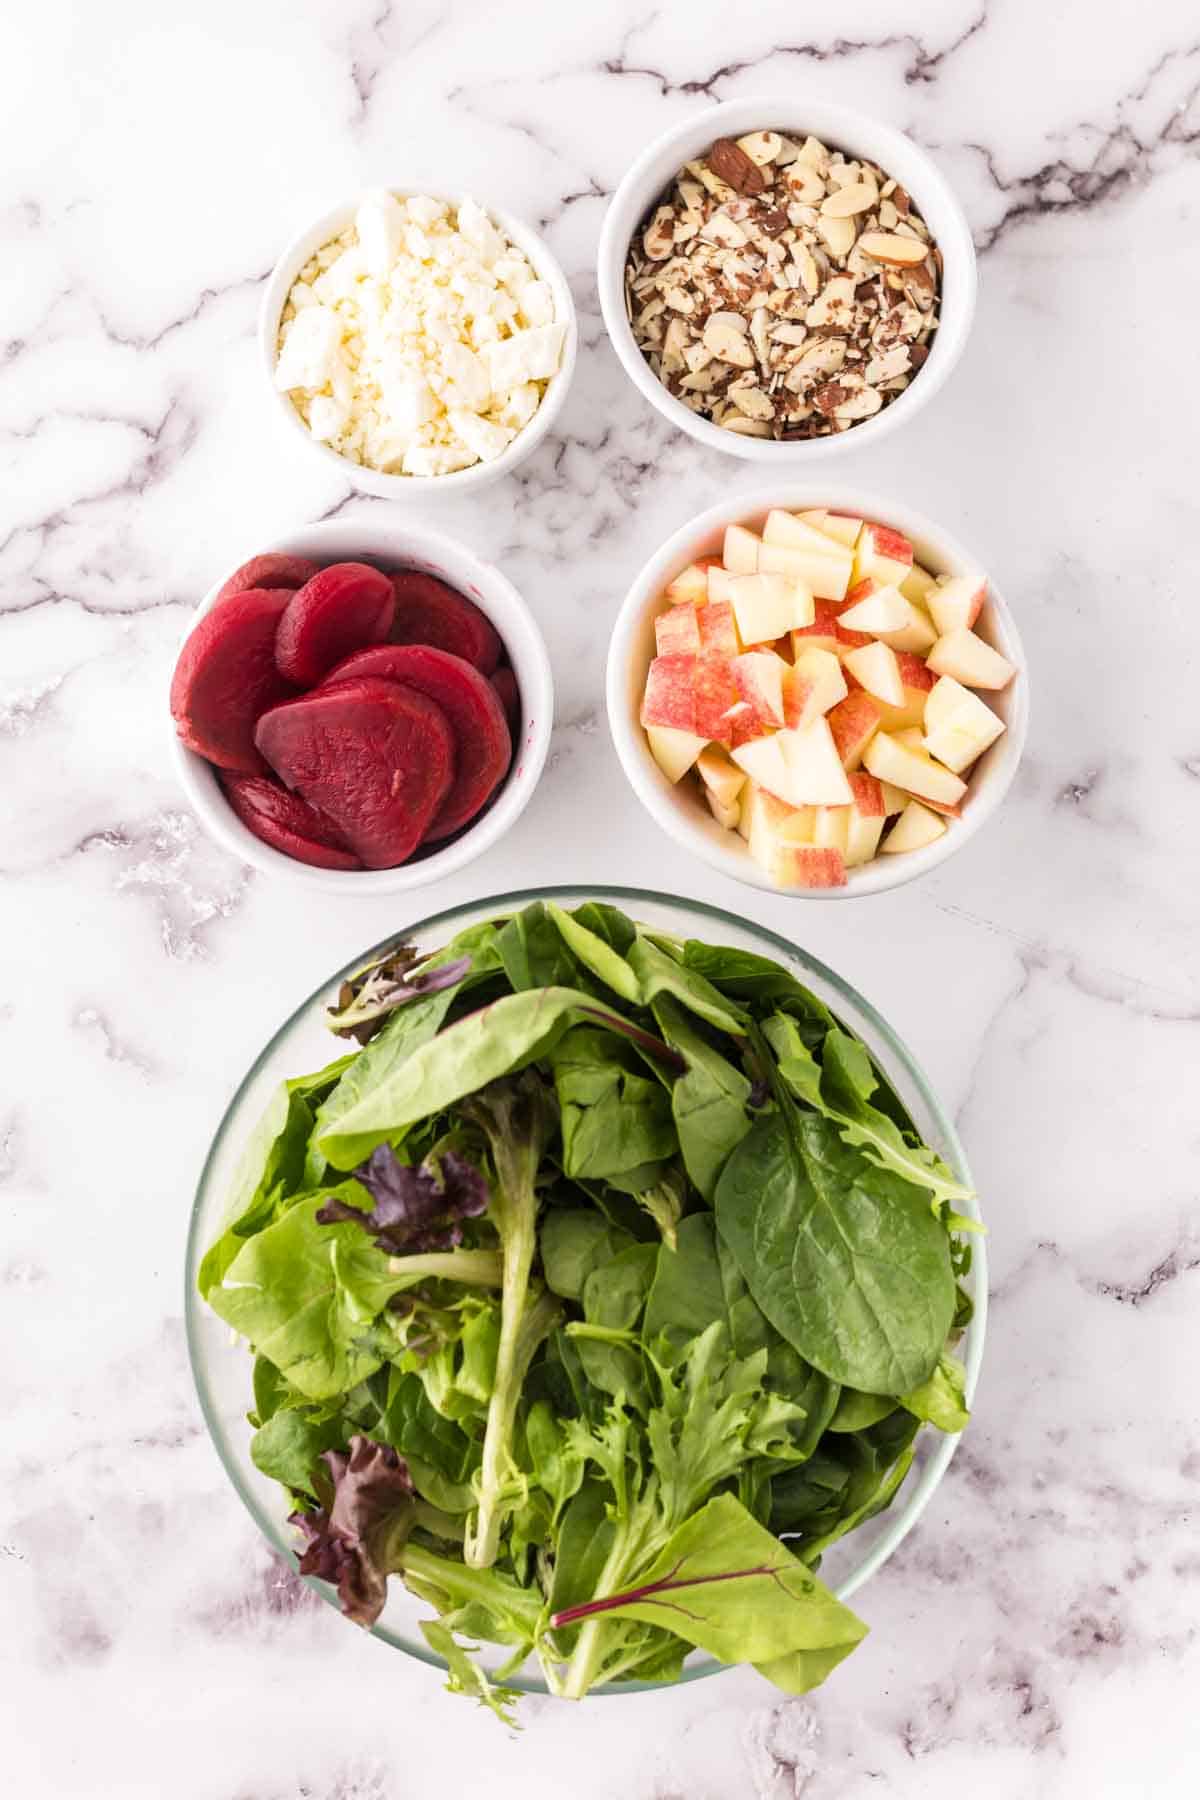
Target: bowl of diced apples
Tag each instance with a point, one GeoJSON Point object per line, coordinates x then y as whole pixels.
{"type": "Point", "coordinates": [817, 691]}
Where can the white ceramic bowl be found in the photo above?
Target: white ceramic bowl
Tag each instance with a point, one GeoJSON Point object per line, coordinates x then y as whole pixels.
{"type": "Point", "coordinates": [841, 128]}
{"type": "Point", "coordinates": [373, 481]}
{"type": "Point", "coordinates": [681, 810]}
{"type": "Point", "coordinates": [393, 546]}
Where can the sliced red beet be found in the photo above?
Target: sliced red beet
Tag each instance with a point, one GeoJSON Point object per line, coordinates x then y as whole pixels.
{"type": "Point", "coordinates": [429, 612]}
{"type": "Point", "coordinates": [274, 570]}
{"type": "Point", "coordinates": [226, 676]}
{"type": "Point", "coordinates": [374, 756]}
{"type": "Point", "coordinates": [482, 744]}
{"type": "Point", "coordinates": [505, 684]}
{"type": "Point", "coordinates": [343, 608]}
{"type": "Point", "coordinates": [287, 823]}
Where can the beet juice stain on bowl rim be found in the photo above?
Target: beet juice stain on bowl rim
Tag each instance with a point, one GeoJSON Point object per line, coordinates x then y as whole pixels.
{"type": "Point", "coordinates": [220, 1365]}
{"type": "Point", "coordinates": [391, 546]}
{"type": "Point", "coordinates": [537, 252]}
{"type": "Point", "coordinates": [684, 815]}
{"type": "Point", "coordinates": [842, 128]}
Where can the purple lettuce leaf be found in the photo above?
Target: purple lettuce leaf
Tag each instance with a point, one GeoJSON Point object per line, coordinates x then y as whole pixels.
{"type": "Point", "coordinates": [417, 1208]}
{"type": "Point", "coordinates": [365, 1002]}
{"type": "Point", "coordinates": [358, 1538]}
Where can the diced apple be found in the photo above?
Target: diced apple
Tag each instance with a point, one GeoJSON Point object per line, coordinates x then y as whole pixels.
{"type": "Point", "coordinates": [822, 633]}
{"type": "Point", "coordinates": [876, 667]}
{"type": "Point", "coordinates": [959, 726]}
{"type": "Point", "coordinates": [690, 583]}
{"type": "Point", "coordinates": [673, 751]}
{"type": "Point", "coordinates": [719, 579]}
{"type": "Point", "coordinates": [758, 676]}
{"type": "Point", "coordinates": [883, 553]}
{"type": "Point", "coordinates": [915, 828]}
{"type": "Point", "coordinates": [916, 635]}
{"type": "Point", "coordinates": [718, 633]}
{"type": "Point", "coordinates": [720, 775]}
{"type": "Point", "coordinates": [797, 828]}
{"type": "Point", "coordinates": [827, 576]}
{"type": "Point", "coordinates": [903, 718]}
{"type": "Point", "coordinates": [764, 816]}
{"type": "Point", "coordinates": [764, 607]}
{"type": "Point", "coordinates": [740, 550]}
{"type": "Point", "coordinates": [677, 631]}
{"type": "Point", "coordinates": [812, 686]}
{"type": "Point", "coordinates": [830, 827]}
{"type": "Point", "coordinates": [916, 585]}
{"type": "Point", "coordinates": [847, 638]}
{"type": "Point", "coordinates": [762, 759]}
{"type": "Point", "coordinates": [868, 795]}
{"type": "Point", "coordinates": [815, 776]}
{"type": "Point", "coordinates": [955, 602]}
{"type": "Point", "coordinates": [843, 527]}
{"type": "Point", "coordinates": [716, 692]}
{"type": "Point", "coordinates": [894, 799]}
{"type": "Point", "coordinates": [794, 531]}
{"type": "Point", "coordinates": [670, 697]}
{"type": "Point", "coordinates": [803, 865]}
{"type": "Point", "coordinates": [726, 816]}
{"type": "Point", "coordinates": [908, 767]}
{"type": "Point", "coordinates": [876, 610]}
{"type": "Point", "coordinates": [854, 722]}
{"type": "Point", "coordinates": [740, 725]}
{"type": "Point", "coordinates": [914, 671]}
{"type": "Point", "coordinates": [970, 660]}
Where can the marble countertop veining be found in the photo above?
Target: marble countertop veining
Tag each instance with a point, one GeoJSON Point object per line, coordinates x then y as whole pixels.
{"type": "Point", "coordinates": [1037, 1635]}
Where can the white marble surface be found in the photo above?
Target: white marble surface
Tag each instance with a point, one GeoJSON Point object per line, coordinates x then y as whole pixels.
{"type": "Point", "coordinates": [1038, 1635]}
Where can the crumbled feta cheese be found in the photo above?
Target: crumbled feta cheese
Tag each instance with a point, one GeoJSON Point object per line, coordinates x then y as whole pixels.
{"type": "Point", "coordinates": [402, 341]}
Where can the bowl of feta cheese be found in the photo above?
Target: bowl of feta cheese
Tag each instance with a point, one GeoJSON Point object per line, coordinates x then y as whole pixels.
{"type": "Point", "coordinates": [418, 341]}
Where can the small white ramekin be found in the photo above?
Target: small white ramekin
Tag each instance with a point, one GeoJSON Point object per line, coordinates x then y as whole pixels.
{"type": "Point", "coordinates": [393, 546]}
{"type": "Point", "coordinates": [398, 487]}
{"type": "Point", "coordinates": [841, 128]}
{"type": "Point", "coordinates": [680, 809]}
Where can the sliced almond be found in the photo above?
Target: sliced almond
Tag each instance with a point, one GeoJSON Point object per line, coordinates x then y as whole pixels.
{"type": "Point", "coordinates": [725, 336]}
{"type": "Point", "coordinates": [788, 334]}
{"type": "Point", "coordinates": [762, 147]}
{"type": "Point", "coordinates": [710, 181]}
{"type": "Point", "coordinates": [675, 344]}
{"type": "Point", "coordinates": [804, 184]}
{"type": "Point", "coordinates": [834, 305]}
{"type": "Point", "coordinates": [721, 229]}
{"type": "Point", "coordinates": [744, 426]}
{"type": "Point", "coordinates": [889, 247]}
{"type": "Point", "coordinates": [888, 365]}
{"type": "Point", "coordinates": [658, 239]}
{"type": "Point", "coordinates": [839, 235]}
{"type": "Point", "coordinates": [862, 404]}
{"type": "Point", "coordinates": [680, 300]}
{"type": "Point", "coordinates": [759, 329]}
{"type": "Point", "coordinates": [813, 152]}
{"type": "Point", "coordinates": [753, 402]}
{"type": "Point", "coordinates": [846, 202]}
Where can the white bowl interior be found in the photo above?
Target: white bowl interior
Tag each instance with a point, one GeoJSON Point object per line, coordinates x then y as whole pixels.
{"type": "Point", "coordinates": [842, 128]}
{"type": "Point", "coordinates": [375, 481]}
{"type": "Point", "coordinates": [681, 810]}
{"type": "Point", "coordinates": [400, 546]}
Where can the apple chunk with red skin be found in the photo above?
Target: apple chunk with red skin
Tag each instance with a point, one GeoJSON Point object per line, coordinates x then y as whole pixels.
{"type": "Point", "coordinates": [718, 633]}
{"type": "Point", "coordinates": [970, 661]}
{"type": "Point", "coordinates": [955, 602]}
{"type": "Point", "coordinates": [691, 584]}
{"type": "Point", "coordinates": [876, 668]}
{"type": "Point", "coordinates": [759, 678]}
{"type": "Point", "coordinates": [883, 553]}
{"type": "Point", "coordinates": [677, 632]}
{"type": "Point", "coordinates": [812, 686]}
{"type": "Point", "coordinates": [854, 722]}
{"type": "Point", "coordinates": [908, 767]}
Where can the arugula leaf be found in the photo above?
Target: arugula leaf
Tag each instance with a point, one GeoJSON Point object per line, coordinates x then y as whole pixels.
{"type": "Point", "coordinates": [848, 1080]}
{"type": "Point", "coordinates": [723, 1583]}
{"type": "Point", "coordinates": [614, 1119]}
{"type": "Point", "coordinates": [708, 1101]}
{"type": "Point", "coordinates": [845, 1258]}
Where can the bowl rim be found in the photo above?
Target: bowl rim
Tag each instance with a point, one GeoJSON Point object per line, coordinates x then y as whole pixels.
{"type": "Point", "coordinates": [843, 124]}
{"type": "Point", "coordinates": [881, 875]}
{"type": "Point", "coordinates": [198, 778]}
{"type": "Point", "coordinates": [323, 230]}
{"type": "Point", "coordinates": [932, 1470]}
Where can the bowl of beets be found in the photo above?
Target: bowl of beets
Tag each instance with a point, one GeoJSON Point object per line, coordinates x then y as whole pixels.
{"type": "Point", "coordinates": [361, 708]}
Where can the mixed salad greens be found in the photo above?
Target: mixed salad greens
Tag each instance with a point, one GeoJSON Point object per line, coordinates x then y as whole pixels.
{"type": "Point", "coordinates": [595, 1294]}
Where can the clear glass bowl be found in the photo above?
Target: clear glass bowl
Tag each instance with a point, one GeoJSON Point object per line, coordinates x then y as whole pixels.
{"type": "Point", "coordinates": [222, 1367]}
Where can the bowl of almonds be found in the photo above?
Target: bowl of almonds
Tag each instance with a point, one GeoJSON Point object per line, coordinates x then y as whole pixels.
{"type": "Point", "coordinates": [785, 278]}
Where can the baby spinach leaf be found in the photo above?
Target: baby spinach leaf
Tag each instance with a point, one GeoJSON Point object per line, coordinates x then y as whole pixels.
{"type": "Point", "coordinates": [595, 952]}
{"type": "Point", "coordinates": [659, 973]}
{"type": "Point", "coordinates": [725, 1584]}
{"type": "Point", "coordinates": [797, 1064]}
{"type": "Point", "coordinates": [534, 952]}
{"type": "Point", "coordinates": [941, 1399]}
{"type": "Point", "coordinates": [613, 1297]}
{"type": "Point", "coordinates": [848, 1081]}
{"type": "Point", "coordinates": [607, 922]}
{"type": "Point", "coordinates": [807, 1498]}
{"type": "Point", "coordinates": [708, 1101]}
{"type": "Point", "coordinates": [846, 1259]}
{"type": "Point", "coordinates": [613, 1118]}
{"type": "Point", "coordinates": [878, 1461]}
{"type": "Point", "coordinates": [414, 1427]}
{"type": "Point", "coordinates": [572, 1243]}
{"type": "Point", "coordinates": [855, 1411]}
{"type": "Point", "coordinates": [699, 1283]}
{"type": "Point", "coordinates": [761, 984]}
